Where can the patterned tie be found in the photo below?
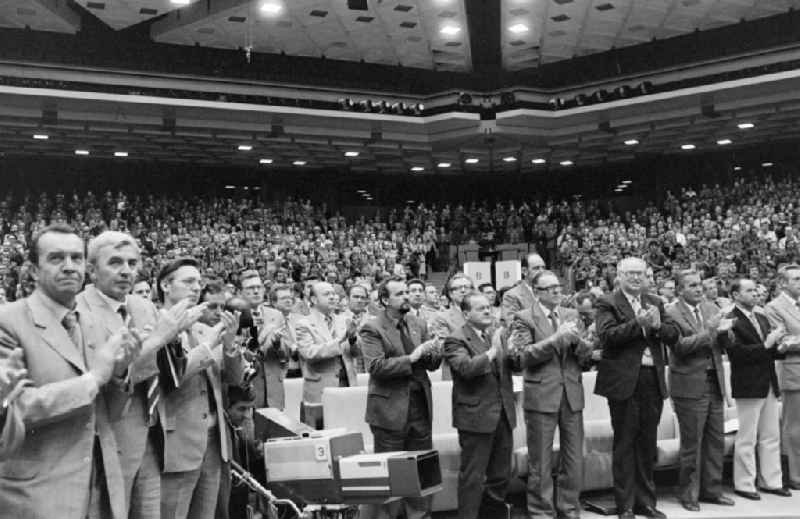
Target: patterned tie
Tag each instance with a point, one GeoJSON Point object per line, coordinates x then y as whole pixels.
{"type": "Point", "coordinates": [698, 317]}
{"type": "Point", "coordinates": [554, 320]}
{"type": "Point", "coordinates": [405, 338]}
{"type": "Point", "coordinates": [70, 323]}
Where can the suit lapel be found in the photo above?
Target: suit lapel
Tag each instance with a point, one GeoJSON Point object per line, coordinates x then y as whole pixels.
{"type": "Point", "coordinates": [745, 325]}
{"type": "Point", "coordinates": [623, 304]}
{"type": "Point", "coordinates": [54, 334]}
{"type": "Point", "coordinates": [474, 343]}
{"type": "Point", "coordinates": [789, 306]}
{"type": "Point", "coordinates": [391, 332]}
{"type": "Point", "coordinates": [542, 324]}
{"type": "Point", "coordinates": [687, 315]}
{"type": "Point", "coordinates": [100, 309]}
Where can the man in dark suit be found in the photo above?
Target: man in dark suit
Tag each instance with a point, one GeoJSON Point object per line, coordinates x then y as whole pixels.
{"type": "Point", "coordinates": [547, 340]}
{"type": "Point", "coordinates": [752, 352]}
{"type": "Point", "coordinates": [633, 329]}
{"type": "Point", "coordinates": [483, 411]}
{"type": "Point", "coordinates": [397, 352]}
{"type": "Point", "coordinates": [696, 380]}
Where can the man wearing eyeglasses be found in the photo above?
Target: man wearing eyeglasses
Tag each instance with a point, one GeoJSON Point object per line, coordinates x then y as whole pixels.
{"type": "Point", "coordinates": [546, 340]}
{"type": "Point", "coordinates": [522, 296]}
{"type": "Point", "coordinates": [633, 329]}
{"type": "Point", "coordinates": [446, 322]}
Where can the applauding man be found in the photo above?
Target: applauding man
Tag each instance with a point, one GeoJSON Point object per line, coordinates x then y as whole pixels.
{"type": "Point", "coordinates": [12, 377]}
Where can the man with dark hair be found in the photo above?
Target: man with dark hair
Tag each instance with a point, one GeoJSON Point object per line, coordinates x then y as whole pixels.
{"type": "Point", "coordinates": [141, 287]}
{"type": "Point", "coordinates": [448, 321]}
{"type": "Point", "coordinates": [633, 329]}
{"type": "Point", "coordinates": [416, 299]}
{"type": "Point", "coordinates": [696, 379]}
{"type": "Point", "coordinates": [488, 290]}
{"type": "Point", "coordinates": [244, 451]}
{"type": "Point", "coordinates": [521, 296]}
{"type": "Point", "coordinates": [195, 439]}
{"type": "Point", "coordinates": [784, 311]}
{"type": "Point", "coordinates": [326, 347]}
{"type": "Point", "coordinates": [67, 465]}
{"type": "Point", "coordinates": [752, 349]}
{"type": "Point", "coordinates": [483, 411]}
{"type": "Point", "coordinates": [277, 340]}
{"type": "Point", "coordinates": [397, 351]}
{"type": "Point", "coordinates": [546, 338]}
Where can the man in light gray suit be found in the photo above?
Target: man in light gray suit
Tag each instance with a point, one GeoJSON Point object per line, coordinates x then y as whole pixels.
{"type": "Point", "coordinates": [67, 466]}
{"type": "Point", "coordinates": [696, 380]}
{"type": "Point", "coordinates": [12, 378]}
{"type": "Point", "coordinates": [114, 260]}
{"type": "Point", "coordinates": [521, 296]}
{"type": "Point", "coordinates": [784, 311]}
{"type": "Point", "coordinates": [546, 340]}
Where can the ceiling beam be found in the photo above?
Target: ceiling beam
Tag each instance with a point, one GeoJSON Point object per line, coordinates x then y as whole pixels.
{"type": "Point", "coordinates": [483, 21]}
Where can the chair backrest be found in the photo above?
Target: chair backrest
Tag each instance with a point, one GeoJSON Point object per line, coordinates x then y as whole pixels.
{"type": "Point", "coordinates": [344, 407]}
{"type": "Point", "coordinates": [293, 394]}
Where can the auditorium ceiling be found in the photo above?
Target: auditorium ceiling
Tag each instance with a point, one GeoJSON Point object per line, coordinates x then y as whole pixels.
{"type": "Point", "coordinates": [441, 35]}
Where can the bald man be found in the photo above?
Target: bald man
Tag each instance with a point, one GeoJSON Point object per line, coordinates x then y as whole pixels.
{"type": "Point", "coordinates": [326, 345]}
{"type": "Point", "coordinates": [521, 296]}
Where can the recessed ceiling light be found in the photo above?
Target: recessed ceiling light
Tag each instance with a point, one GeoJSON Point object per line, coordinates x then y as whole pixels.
{"type": "Point", "coordinates": [566, 163]}
{"type": "Point", "coordinates": [265, 161]}
{"type": "Point", "coordinates": [472, 160]}
{"type": "Point", "coordinates": [179, 2]}
{"type": "Point", "coordinates": [443, 165]}
{"type": "Point", "coordinates": [81, 152]}
{"type": "Point", "coordinates": [351, 154]}
{"type": "Point", "coordinates": [767, 164]}
{"type": "Point", "coordinates": [362, 191]}
{"type": "Point", "coordinates": [229, 186]}
{"type": "Point", "coordinates": [417, 168]}
{"type": "Point", "coordinates": [450, 30]}
{"type": "Point", "coordinates": [271, 8]}
{"type": "Point", "coordinates": [737, 168]}
{"type": "Point", "coordinates": [299, 163]}
{"type": "Point", "coordinates": [539, 161]}
{"type": "Point", "coordinates": [245, 147]}
{"type": "Point", "coordinates": [510, 159]}
{"type": "Point", "coordinates": [631, 142]}
{"type": "Point", "coordinates": [724, 142]}
{"type": "Point", "coordinates": [41, 136]}
{"type": "Point", "coordinates": [688, 146]}
{"type": "Point", "coordinates": [619, 190]}
{"type": "Point", "coordinates": [745, 126]}
{"type": "Point", "coordinates": [120, 153]}
{"type": "Point", "coordinates": [518, 28]}
{"type": "Point", "coordinates": [626, 182]}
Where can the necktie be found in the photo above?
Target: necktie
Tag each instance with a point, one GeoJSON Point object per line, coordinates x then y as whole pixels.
{"type": "Point", "coordinates": [70, 323]}
{"type": "Point", "coordinates": [554, 320]}
{"type": "Point", "coordinates": [405, 338]}
{"type": "Point", "coordinates": [123, 312]}
{"type": "Point", "coordinates": [329, 322]}
{"type": "Point", "coordinates": [757, 326]}
{"type": "Point", "coordinates": [698, 317]}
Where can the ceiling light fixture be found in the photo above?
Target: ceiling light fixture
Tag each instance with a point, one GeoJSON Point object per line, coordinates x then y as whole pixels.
{"type": "Point", "coordinates": [245, 147]}
{"type": "Point", "coordinates": [688, 146]}
{"type": "Point", "coordinates": [631, 142]}
{"type": "Point", "coordinates": [767, 164]}
{"type": "Point", "coordinates": [745, 126]}
{"type": "Point", "coordinates": [443, 165]}
{"type": "Point", "coordinates": [180, 2]}
{"type": "Point", "coordinates": [737, 168]}
{"type": "Point", "coordinates": [351, 154]}
{"type": "Point", "coordinates": [472, 160]}
{"type": "Point", "coordinates": [300, 163]}
{"type": "Point", "coordinates": [450, 30]}
{"type": "Point", "coordinates": [41, 136]}
{"type": "Point", "coordinates": [539, 161]}
{"type": "Point", "coordinates": [271, 8]}
{"type": "Point", "coordinates": [510, 159]}
{"type": "Point", "coordinates": [626, 182]}
{"type": "Point", "coordinates": [120, 153]}
{"type": "Point", "coordinates": [265, 161]}
{"type": "Point", "coordinates": [417, 168]}
{"type": "Point", "coordinates": [81, 152]}
{"type": "Point", "coordinates": [566, 163]}
{"type": "Point", "coordinates": [518, 28]}
{"type": "Point", "coordinates": [724, 142]}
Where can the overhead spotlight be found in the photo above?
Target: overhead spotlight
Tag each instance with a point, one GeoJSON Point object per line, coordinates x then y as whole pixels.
{"type": "Point", "coordinates": [507, 98]}
{"type": "Point", "coordinates": [623, 91]}
{"type": "Point", "coordinates": [417, 169]}
{"type": "Point", "coordinates": [271, 8]}
{"type": "Point", "coordinates": [229, 186]}
{"type": "Point", "coordinates": [443, 165]}
{"type": "Point", "coordinates": [472, 160]}
{"type": "Point", "coordinates": [737, 168]}
{"type": "Point", "coordinates": [299, 163]}
{"type": "Point", "coordinates": [351, 154]}
{"type": "Point", "coordinates": [180, 2]}
{"type": "Point", "coordinates": [365, 105]}
{"type": "Point", "coordinates": [41, 136]}
{"type": "Point", "coordinates": [767, 164]}
{"type": "Point", "coordinates": [566, 163]}
{"type": "Point", "coordinates": [347, 103]}
{"type": "Point", "coordinates": [450, 30]}
{"type": "Point", "coordinates": [724, 142]}
{"type": "Point", "coordinates": [120, 153]}
{"type": "Point", "coordinates": [631, 142]}
{"type": "Point", "coordinates": [464, 99]}
{"type": "Point", "coordinates": [397, 108]}
{"type": "Point", "coordinates": [265, 161]}
{"type": "Point", "coordinates": [556, 103]}
{"type": "Point", "coordinates": [419, 108]}
{"type": "Point", "coordinates": [244, 147]}
{"type": "Point", "coordinates": [381, 106]}
{"type": "Point", "coordinates": [82, 152]}
{"type": "Point", "coordinates": [538, 160]}
{"type": "Point", "coordinates": [745, 126]}
{"type": "Point", "coordinates": [518, 28]}
{"type": "Point", "coordinates": [626, 182]}
{"type": "Point", "coordinates": [581, 99]}
{"type": "Point", "coordinates": [688, 146]}
{"type": "Point", "coordinates": [510, 158]}
{"type": "Point", "coordinates": [618, 190]}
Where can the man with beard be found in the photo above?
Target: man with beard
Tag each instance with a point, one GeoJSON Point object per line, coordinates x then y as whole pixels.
{"type": "Point", "coordinates": [397, 351]}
